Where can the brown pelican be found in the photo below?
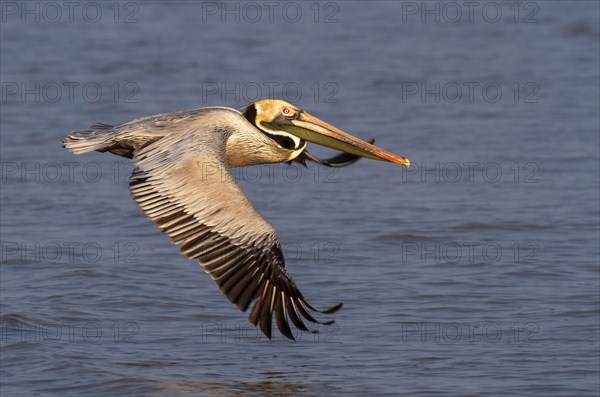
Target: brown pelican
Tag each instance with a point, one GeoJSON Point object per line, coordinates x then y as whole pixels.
{"type": "Point", "coordinates": [182, 182]}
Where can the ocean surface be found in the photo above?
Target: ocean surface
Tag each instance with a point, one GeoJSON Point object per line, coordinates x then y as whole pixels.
{"type": "Point", "coordinates": [475, 272]}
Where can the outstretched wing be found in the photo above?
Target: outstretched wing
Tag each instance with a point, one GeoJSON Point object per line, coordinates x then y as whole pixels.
{"type": "Point", "coordinates": [182, 183]}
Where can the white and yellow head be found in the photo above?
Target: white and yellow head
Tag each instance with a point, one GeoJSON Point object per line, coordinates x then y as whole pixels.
{"type": "Point", "coordinates": [291, 128]}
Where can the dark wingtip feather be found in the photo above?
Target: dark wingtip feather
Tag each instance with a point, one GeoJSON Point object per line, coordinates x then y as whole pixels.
{"type": "Point", "coordinates": [304, 311]}
{"type": "Point", "coordinates": [281, 318]}
{"type": "Point", "coordinates": [265, 319]}
{"type": "Point", "coordinates": [256, 309]}
{"type": "Point", "coordinates": [330, 310]}
{"type": "Point", "coordinates": [264, 324]}
{"type": "Point", "coordinates": [295, 316]}
{"type": "Point", "coordinates": [333, 309]}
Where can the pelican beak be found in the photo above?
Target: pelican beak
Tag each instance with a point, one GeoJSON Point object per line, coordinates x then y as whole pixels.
{"type": "Point", "coordinates": [313, 130]}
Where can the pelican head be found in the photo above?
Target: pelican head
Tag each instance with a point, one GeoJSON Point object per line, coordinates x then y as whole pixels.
{"type": "Point", "coordinates": [291, 126]}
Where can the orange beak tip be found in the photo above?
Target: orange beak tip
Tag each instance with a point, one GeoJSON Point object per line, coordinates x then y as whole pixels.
{"type": "Point", "coordinates": [404, 161]}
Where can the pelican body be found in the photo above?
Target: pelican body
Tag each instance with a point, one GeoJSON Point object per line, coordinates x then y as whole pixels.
{"type": "Point", "coordinates": [181, 181]}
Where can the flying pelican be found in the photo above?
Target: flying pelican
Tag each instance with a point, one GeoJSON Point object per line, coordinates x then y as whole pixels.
{"type": "Point", "coordinates": [182, 182]}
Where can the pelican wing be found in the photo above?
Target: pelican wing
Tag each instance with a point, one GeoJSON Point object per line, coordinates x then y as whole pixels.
{"type": "Point", "coordinates": [182, 183]}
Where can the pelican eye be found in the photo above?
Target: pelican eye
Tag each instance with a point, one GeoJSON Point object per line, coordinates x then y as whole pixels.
{"type": "Point", "coordinates": [289, 113]}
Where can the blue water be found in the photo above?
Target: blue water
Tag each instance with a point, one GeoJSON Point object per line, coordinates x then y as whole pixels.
{"type": "Point", "coordinates": [475, 272]}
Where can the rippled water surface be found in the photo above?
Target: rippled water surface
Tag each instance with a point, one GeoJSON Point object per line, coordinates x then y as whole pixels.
{"type": "Point", "coordinates": [475, 272]}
